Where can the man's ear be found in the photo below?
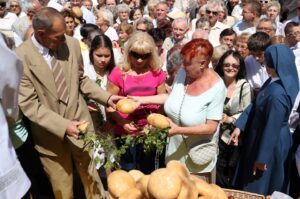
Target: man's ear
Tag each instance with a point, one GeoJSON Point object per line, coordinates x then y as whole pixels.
{"type": "Point", "coordinates": [40, 33]}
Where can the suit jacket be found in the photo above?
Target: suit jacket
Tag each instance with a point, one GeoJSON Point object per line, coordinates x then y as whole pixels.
{"type": "Point", "coordinates": [38, 98]}
{"type": "Point", "coordinates": [236, 106]}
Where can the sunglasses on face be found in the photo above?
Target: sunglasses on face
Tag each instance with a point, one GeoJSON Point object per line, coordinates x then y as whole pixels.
{"type": "Point", "coordinates": [14, 6]}
{"type": "Point", "coordinates": [212, 12]}
{"type": "Point", "coordinates": [227, 65]}
{"type": "Point", "coordinates": [264, 1]}
{"type": "Point", "coordinates": [140, 56]}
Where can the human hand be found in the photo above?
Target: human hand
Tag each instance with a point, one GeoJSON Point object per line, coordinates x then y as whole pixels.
{"type": "Point", "coordinates": [259, 166]}
{"type": "Point", "coordinates": [129, 127]}
{"type": "Point", "coordinates": [173, 128]}
{"type": "Point", "coordinates": [234, 137]}
{"type": "Point", "coordinates": [136, 99]}
{"type": "Point", "coordinates": [72, 129]}
{"type": "Point", "coordinates": [115, 44]}
{"type": "Point", "coordinates": [92, 107]}
{"type": "Point", "coordinates": [226, 119]}
{"type": "Point", "coordinates": [112, 99]}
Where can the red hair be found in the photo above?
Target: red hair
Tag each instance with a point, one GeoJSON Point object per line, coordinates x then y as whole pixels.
{"type": "Point", "coordinates": [192, 48]}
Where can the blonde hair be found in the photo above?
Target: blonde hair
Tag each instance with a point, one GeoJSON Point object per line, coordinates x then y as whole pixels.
{"type": "Point", "coordinates": [275, 4]}
{"type": "Point", "coordinates": [143, 43]}
{"type": "Point", "coordinates": [244, 37]}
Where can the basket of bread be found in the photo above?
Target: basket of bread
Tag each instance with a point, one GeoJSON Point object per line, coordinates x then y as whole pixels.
{"type": "Point", "coordinates": [172, 182]}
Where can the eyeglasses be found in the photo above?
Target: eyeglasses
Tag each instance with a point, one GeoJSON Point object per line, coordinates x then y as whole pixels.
{"type": "Point", "coordinates": [142, 30]}
{"type": "Point", "coordinates": [140, 56]}
{"type": "Point", "coordinates": [212, 12]}
{"type": "Point", "coordinates": [264, 28]}
{"type": "Point", "coordinates": [227, 65]}
{"type": "Point", "coordinates": [295, 34]}
{"type": "Point", "coordinates": [14, 6]}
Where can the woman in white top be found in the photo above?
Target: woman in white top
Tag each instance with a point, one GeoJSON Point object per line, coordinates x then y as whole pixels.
{"type": "Point", "coordinates": [102, 57]}
{"type": "Point", "coordinates": [194, 106]}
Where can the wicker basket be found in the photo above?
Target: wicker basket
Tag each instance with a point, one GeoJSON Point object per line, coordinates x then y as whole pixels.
{"type": "Point", "coordinates": [242, 194]}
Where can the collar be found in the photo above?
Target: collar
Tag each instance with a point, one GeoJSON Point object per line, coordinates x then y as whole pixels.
{"type": "Point", "coordinates": [273, 79]}
{"type": "Point", "coordinates": [42, 50]}
{"type": "Point", "coordinates": [296, 46]}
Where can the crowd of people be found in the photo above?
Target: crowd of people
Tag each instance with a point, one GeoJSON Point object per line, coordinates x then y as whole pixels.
{"type": "Point", "coordinates": [224, 72]}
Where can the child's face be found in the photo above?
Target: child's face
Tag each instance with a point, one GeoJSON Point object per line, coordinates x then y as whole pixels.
{"type": "Point", "coordinates": [258, 56]}
{"type": "Point", "coordinates": [102, 57]}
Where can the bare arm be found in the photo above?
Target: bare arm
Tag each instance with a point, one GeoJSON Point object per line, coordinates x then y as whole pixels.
{"type": "Point", "coordinates": [208, 128]}
{"type": "Point", "coordinates": [112, 113]}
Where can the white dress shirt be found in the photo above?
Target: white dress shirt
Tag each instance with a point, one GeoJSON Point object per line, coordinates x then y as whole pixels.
{"type": "Point", "coordinates": [42, 50]}
{"type": "Point", "coordinates": [215, 31]}
{"type": "Point", "coordinates": [256, 74]}
{"type": "Point", "coordinates": [242, 27]}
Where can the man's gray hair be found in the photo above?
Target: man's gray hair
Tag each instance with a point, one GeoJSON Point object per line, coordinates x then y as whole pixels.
{"type": "Point", "coordinates": [44, 18]}
{"type": "Point", "coordinates": [123, 8]}
{"type": "Point", "coordinates": [274, 26]}
{"type": "Point", "coordinates": [179, 20]}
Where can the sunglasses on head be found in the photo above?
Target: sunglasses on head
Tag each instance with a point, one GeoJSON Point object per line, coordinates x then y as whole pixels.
{"type": "Point", "coordinates": [140, 56]}
{"type": "Point", "coordinates": [264, 1]}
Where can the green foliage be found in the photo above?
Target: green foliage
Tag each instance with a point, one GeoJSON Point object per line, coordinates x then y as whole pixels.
{"type": "Point", "coordinates": [106, 152]}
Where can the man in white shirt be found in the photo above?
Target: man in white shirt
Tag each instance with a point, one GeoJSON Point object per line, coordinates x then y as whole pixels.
{"type": "Point", "coordinates": [251, 14]}
{"type": "Point", "coordinates": [6, 20]}
{"type": "Point", "coordinates": [179, 30]}
{"type": "Point", "coordinates": [266, 25]}
{"type": "Point", "coordinates": [292, 32]}
{"type": "Point", "coordinates": [212, 10]}
{"type": "Point", "coordinates": [256, 73]}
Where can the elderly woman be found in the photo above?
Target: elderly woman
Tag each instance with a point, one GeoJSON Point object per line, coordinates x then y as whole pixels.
{"type": "Point", "coordinates": [123, 14]}
{"type": "Point", "coordinates": [267, 141]}
{"type": "Point", "coordinates": [105, 21]}
{"type": "Point", "coordinates": [241, 44]}
{"type": "Point", "coordinates": [272, 12]}
{"type": "Point", "coordinates": [143, 24]}
{"type": "Point", "coordinates": [139, 75]}
{"type": "Point", "coordinates": [15, 6]}
{"type": "Point", "coordinates": [195, 107]}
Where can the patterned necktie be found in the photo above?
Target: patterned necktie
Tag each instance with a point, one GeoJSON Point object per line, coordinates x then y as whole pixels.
{"type": "Point", "coordinates": [59, 78]}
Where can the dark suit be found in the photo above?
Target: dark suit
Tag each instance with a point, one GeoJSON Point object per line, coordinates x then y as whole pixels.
{"type": "Point", "coordinates": [49, 118]}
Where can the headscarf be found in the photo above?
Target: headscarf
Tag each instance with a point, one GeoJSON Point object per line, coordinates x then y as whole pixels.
{"type": "Point", "coordinates": [281, 58]}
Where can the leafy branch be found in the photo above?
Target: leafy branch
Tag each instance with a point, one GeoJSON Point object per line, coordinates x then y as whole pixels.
{"type": "Point", "coordinates": [106, 153]}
